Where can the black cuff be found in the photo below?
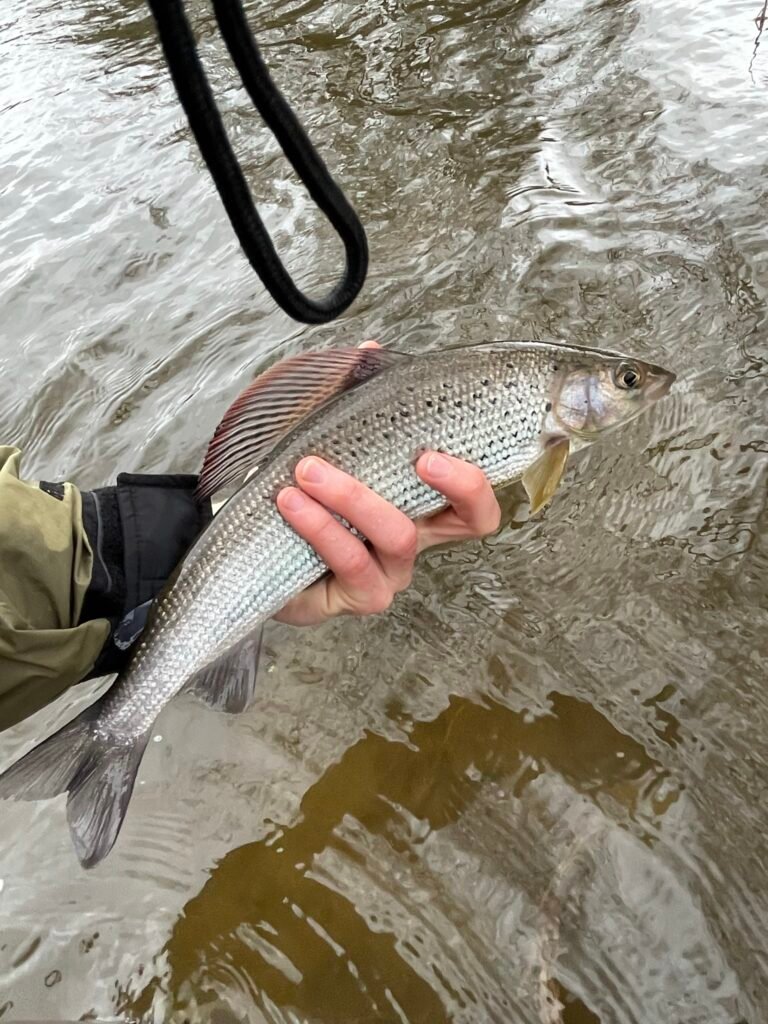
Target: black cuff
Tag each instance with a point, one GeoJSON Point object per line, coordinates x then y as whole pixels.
{"type": "Point", "coordinates": [139, 532]}
{"type": "Point", "coordinates": [160, 519]}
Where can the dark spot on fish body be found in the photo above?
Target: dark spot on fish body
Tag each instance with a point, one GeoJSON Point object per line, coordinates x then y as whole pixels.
{"type": "Point", "coordinates": [548, 407]}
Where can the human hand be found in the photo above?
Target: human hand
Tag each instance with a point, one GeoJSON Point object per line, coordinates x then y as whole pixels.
{"type": "Point", "coordinates": [366, 579]}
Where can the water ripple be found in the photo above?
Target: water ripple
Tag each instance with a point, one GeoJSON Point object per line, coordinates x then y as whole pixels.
{"type": "Point", "coordinates": [534, 791]}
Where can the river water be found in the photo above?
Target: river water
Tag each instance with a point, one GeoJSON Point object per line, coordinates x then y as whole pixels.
{"type": "Point", "coordinates": [534, 791]}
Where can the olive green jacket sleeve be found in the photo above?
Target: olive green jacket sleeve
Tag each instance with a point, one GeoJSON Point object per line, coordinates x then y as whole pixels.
{"type": "Point", "coordinates": [45, 568]}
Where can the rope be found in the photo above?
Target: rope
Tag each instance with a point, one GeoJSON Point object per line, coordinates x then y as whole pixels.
{"type": "Point", "coordinates": [208, 129]}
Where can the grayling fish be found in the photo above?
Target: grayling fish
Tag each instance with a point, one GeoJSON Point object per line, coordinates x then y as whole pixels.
{"type": "Point", "coordinates": [516, 409]}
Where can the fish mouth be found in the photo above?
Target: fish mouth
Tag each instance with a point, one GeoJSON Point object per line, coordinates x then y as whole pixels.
{"type": "Point", "coordinates": [659, 382]}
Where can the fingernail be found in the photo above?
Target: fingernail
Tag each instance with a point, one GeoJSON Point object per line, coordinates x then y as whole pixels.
{"type": "Point", "coordinates": [312, 470]}
{"type": "Point", "coordinates": [438, 465]}
{"type": "Point", "coordinates": [293, 499]}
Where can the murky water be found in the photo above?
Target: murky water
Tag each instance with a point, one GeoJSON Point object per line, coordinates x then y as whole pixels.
{"type": "Point", "coordinates": [535, 790]}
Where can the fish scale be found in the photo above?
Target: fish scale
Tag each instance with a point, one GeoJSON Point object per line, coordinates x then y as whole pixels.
{"type": "Point", "coordinates": [514, 409]}
{"type": "Point", "coordinates": [218, 600]}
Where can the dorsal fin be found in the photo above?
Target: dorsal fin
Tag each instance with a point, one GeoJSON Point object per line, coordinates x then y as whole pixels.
{"type": "Point", "coordinates": [276, 402]}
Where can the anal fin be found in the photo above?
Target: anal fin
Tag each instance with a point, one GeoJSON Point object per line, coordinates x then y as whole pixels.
{"type": "Point", "coordinates": [229, 683]}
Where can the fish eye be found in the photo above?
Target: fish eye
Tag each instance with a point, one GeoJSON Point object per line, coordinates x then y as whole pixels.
{"type": "Point", "coordinates": [628, 376]}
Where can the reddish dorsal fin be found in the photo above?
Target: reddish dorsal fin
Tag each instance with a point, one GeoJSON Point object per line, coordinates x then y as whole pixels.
{"type": "Point", "coordinates": [276, 402]}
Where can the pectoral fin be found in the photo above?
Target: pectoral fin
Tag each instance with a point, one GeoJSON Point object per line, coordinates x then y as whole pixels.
{"type": "Point", "coordinates": [541, 480]}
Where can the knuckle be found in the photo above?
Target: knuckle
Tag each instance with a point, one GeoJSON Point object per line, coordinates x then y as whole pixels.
{"type": "Point", "coordinates": [357, 560]}
{"type": "Point", "coordinates": [485, 523]}
{"type": "Point", "coordinates": [476, 483]}
{"type": "Point", "coordinates": [493, 521]}
{"type": "Point", "coordinates": [323, 526]}
{"type": "Point", "coordinates": [405, 544]}
{"type": "Point", "coordinates": [350, 490]}
{"type": "Point", "coordinates": [403, 581]}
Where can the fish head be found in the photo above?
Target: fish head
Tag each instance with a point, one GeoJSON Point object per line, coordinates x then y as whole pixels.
{"type": "Point", "coordinates": [598, 391]}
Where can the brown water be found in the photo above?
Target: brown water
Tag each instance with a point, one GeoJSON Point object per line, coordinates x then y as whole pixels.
{"type": "Point", "coordinates": [535, 790]}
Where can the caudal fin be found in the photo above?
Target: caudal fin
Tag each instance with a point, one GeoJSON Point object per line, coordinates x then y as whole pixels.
{"type": "Point", "coordinates": [98, 775]}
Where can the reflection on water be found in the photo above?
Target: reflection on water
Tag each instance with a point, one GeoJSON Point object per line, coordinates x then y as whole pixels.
{"type": "Point", "coordinates": [310, 932]}
{"type": "Point", "coordinates": [534, 791]}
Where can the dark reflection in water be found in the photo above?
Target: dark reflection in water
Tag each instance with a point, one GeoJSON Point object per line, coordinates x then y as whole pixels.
{"type": "Point", "coordinates": [535, 790]}
{"type": "Point", "coordinates": [266, 914]}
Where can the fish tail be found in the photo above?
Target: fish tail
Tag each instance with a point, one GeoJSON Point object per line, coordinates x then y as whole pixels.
{"type": "Point", "coordinates": [97, 773]}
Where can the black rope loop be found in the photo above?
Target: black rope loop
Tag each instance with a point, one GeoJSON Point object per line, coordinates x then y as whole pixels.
{"type": "Point", "coordinates": [205, 120]}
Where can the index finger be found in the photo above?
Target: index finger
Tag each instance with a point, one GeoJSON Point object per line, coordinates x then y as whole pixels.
{"type": "Point", "coordinates": [392, 533]}
{"type": "Point", "coordinates": [466, 487]}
